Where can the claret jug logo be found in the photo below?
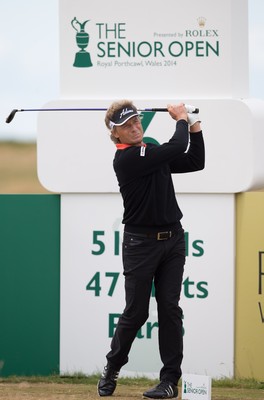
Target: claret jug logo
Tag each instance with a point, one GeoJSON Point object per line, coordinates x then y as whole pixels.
{"type": "Point", "coordinates": [82, 58]}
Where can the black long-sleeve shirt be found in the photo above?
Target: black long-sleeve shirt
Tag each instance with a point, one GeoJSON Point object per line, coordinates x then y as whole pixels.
{"type": "Point", "coordinates": [144, 177]}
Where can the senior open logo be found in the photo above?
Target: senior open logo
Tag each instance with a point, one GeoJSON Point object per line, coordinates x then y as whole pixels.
{"type": "Point", "coordinates": [115, 46]}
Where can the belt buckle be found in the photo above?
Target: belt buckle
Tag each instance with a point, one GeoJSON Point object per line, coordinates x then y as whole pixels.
{"type": "Point", "coordinates": [164, 235]}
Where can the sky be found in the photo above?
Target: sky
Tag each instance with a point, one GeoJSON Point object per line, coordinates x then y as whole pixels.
{"type": "Point", "coordinates": [29, 78]}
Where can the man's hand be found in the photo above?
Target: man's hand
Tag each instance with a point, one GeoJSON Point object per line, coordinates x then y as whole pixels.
{"type": "Point", "coordinates": [178, 111]}
{"type": "Point", "coordinates": [194, 123]}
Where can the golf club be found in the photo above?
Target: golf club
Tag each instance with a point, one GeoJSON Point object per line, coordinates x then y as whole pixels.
{"type": "Point", "coordinates": [190, 109]}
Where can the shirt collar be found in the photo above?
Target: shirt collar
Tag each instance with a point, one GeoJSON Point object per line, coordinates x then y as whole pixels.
{"type": "Point", "coordinates": [123, 146]}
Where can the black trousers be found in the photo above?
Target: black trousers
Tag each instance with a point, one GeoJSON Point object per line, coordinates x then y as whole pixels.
{"type": "Point", "coordinates": [147, 259]}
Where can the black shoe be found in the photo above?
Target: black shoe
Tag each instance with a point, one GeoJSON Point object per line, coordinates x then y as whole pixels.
{"type": "Point", "coordinates": [107, 383]}
{"type": "Point", "coordinates": [164, 390]}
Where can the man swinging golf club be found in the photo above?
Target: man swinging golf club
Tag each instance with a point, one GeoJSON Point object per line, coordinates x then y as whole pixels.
{"type": "Point", "coordinates": [153, 242]}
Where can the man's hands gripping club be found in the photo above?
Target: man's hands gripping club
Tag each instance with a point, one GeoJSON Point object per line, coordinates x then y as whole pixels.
{"type": "Point", "coordinates": [184, 111]}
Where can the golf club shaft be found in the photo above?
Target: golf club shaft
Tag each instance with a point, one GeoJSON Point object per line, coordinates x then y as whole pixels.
{"type": "Point", "coordinates": [11, 116]}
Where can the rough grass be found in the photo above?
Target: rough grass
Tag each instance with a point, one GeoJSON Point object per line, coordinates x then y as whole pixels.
{"type": "Point", "coordinates": [18, 168]}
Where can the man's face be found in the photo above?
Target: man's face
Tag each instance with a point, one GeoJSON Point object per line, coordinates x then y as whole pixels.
{"type": "Point", "coordinates": [131, 132]}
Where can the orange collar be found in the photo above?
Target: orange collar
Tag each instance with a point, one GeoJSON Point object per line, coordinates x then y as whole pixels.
{"type": "Point", "coordinates": [123, 146]}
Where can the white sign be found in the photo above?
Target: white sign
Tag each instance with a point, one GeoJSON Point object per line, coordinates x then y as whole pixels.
{"type": "Point", "coordinates": [196, 387]}
{"type": "Point", "coordinates": [156, 49]}
{"type": "Point", "coordinates": [75, 153]}
{"type": "Point", "coordinates": [92, 286]}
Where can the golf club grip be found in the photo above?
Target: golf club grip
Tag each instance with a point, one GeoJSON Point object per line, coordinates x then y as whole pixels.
{"type": "Point", "coordinates": [156, 109]}
{"type": "Point", "coordinates": [190, 109]}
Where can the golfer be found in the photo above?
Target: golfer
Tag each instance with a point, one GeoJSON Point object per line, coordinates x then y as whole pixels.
{"type": "Point", "coordinates": [153, 241]}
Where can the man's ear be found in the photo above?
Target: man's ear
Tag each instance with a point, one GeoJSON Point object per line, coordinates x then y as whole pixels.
{"type": "Point", "coordinates": [115, 133]}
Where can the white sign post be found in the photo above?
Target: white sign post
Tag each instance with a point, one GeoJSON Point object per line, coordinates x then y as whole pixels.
{"type": "Point", "coordinates": [92, 286]}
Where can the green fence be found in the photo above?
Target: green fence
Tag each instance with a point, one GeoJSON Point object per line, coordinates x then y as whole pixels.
{"type": "Point", "coordinates": [29, 284]}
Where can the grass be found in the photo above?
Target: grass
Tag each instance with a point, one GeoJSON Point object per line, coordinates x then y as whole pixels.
{"type": "Point", "coordinates": [238, 383]}
{"type": "Point", "coordinates": [79, 386]}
